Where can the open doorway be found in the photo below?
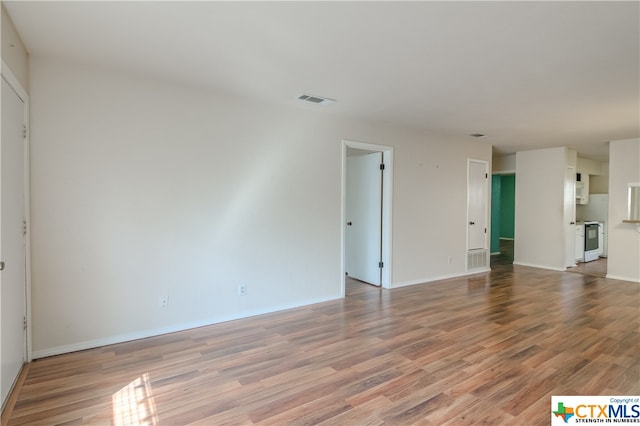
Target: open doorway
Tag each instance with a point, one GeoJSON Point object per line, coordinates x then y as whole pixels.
{"type": "Point", "coordinates": [366, 213]}
{"type": "Point", "coordinates": [592, 217]}
{"type": "Point", "coordinates": [591, 230]}
{"type": "Point", "coordinates": [503, 191]}
{"type": "Point", "coordinates": [363, 215]}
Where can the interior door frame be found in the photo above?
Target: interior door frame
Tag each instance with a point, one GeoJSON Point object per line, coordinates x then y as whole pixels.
{"type": "Point", "coordinates": [363, 204]}
{"type": "Point", "coordinates": [11, 79]}
{"type": "Point", "coordinates": [487, 203]}
{"type": "Point", "coordinates": [569, 228]}
{"type": "Point", "coordinates": [387, 203]}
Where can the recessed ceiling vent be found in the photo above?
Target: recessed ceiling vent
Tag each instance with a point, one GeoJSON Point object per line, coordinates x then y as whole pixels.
{"type": "Point", "coordinates": [316, 99]}
{"type": "Point", "coordinates": [477, 135]}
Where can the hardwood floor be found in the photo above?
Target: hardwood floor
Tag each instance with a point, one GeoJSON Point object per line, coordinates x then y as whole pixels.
{"type": "Point", "coordinates": [596, 268]}
{"type": "Point", "coordinates": [483, 349]}
{"type": "Point", "coordinates": [505, 255]}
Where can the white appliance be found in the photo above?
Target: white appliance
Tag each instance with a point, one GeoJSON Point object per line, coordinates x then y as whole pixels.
{"type": "Point", "coordinates": [591, 240]}
{"type": "Point", "coordinates": [596, 211]}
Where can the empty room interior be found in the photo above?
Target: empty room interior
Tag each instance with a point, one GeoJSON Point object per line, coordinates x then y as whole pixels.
{"type": "Point", "coordinates": [335, 213]}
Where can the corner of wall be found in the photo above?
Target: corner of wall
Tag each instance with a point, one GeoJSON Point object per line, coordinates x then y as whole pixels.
{"type": "Point", "coordinates": [503, 163]}
{"type": "Point", "coordinates": [572, 157]}
{"type": "Point", "coordinates": [14, 53]}
{"type": "Point", "coordinates": [623, 239]}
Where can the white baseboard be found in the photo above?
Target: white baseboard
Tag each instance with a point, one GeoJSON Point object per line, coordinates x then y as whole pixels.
{"type": "Point", "coordinates": [533, 265]}
{"type": "Point", "coordinates": [440, 278]}
{"type": "Point", "coordinates": [143, 334]}
{"type": "Point", "coordinates": [618, 277]}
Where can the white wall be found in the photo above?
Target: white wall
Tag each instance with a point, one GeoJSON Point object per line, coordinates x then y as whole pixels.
{"type": "Point", "coordinates": [430, 208]}
{"type": "Point", "coordinates": [624, 239]}
{"type": "Point", "coordinates": [504, 164]}
{"type": "Point", "coordinates": [13, 52]}
{"type": "Point", "coordinates": [590, 167]}
{"type": "Point", "coordinates": [539, 224]}
{"type": "Point", "coordinates": [599, 184]}
{"type": "Point", "coordinates": [143, 188]}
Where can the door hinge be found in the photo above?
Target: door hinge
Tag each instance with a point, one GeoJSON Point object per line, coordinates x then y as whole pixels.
{"type": "Point", "coordinates": [486, 175]}
{"type": "Point", "coordinates": [24, 323]}
{"type": "Point", "coordinates": [24, 131]}
{"type": "Point", "coordinates": [24, 227]}
{"type": "Point", "coordinates": [380, 264]}
{"type": "Point", "coordinates": [381, 166]}
{"type": "Point", "coordinates": [485, 230]}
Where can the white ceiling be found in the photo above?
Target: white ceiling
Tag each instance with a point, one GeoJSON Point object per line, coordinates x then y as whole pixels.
{"type": "Point", "coordinates": [526, 74]}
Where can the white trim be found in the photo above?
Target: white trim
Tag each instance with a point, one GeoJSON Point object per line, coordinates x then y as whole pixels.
{"type": "Point", "coordinates": [432, 280]}
{"type": "Point", "coordinates": [11, 79]}
{"type": "Point", "coordinates": [533, 265]}
{"type": "Point", "coordinates": [569, 230]}
{"type": "Point", "coordinates": [621, 278]}
{"type": "Point", "coordinates": [504, 172]}
{"type": "Point", "coordinates": [387, 208]}
{"type": "Point", "coordinates": [121, 338]}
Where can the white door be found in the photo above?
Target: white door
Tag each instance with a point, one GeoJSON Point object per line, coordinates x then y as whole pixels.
{"type": "Point", "coordinates": [477, 205]}
{"type": "Point", "coordinates": [12, 242]}
{"type": "Point", "coordinates": [363, 209]}
{"type": "Point", "coordinates": [569, 212]}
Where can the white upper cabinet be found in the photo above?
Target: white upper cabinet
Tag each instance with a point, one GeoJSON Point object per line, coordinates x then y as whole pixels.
{"type": "Point", "coordinates": [582, 188]}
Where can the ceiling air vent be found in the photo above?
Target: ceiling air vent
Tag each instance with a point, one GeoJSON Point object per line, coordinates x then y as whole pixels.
{"type": "Point", "coordinates": [316, 99]}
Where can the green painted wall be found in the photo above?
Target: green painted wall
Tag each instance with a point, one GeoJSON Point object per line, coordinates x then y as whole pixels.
{"type": "Point", "coordinates": [495, 213]}
{"type": "Point", "coordinates": [507, 206]}
{"type": "Point", "coordinates": [503, 197]}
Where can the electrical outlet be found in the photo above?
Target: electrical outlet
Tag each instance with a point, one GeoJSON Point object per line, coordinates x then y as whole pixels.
{"type": "Point", "coordinates": [164, 301]}
{"type": "Point", "coordinates": [242, 290]}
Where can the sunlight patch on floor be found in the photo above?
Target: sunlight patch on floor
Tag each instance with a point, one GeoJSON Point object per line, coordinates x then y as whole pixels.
{"type": "Point", "coordinates": [133, 404]}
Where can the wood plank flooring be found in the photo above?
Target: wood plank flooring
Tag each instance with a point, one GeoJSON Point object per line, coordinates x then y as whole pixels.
{"type": "Point", "coordinates": [596, 267]}
{"type": "Point", "coordinates": [505, 255]}
{"type": "Point", "coordinates": [484, 349]}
